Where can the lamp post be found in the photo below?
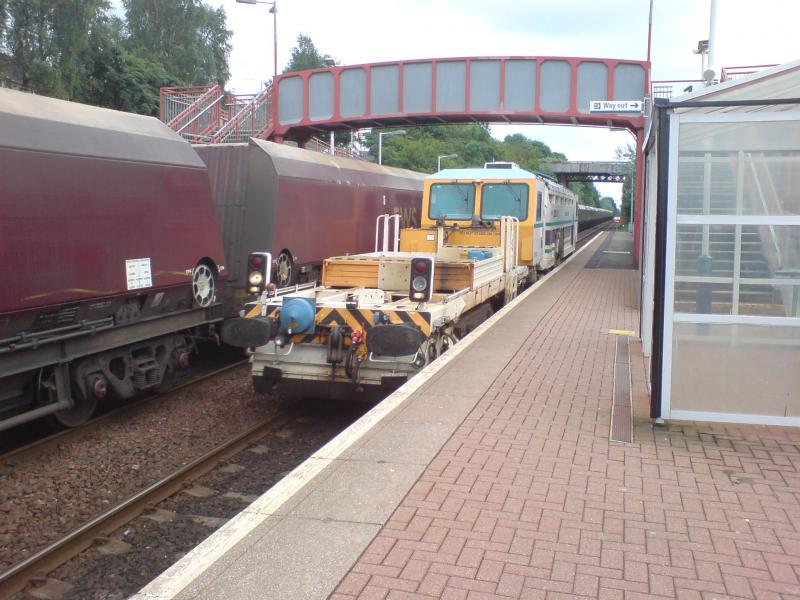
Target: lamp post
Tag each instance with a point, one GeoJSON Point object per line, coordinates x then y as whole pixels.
{"type": "Point", "coordinates": [439, 160]}
{"type": "Point", "coordinates": [273, 9]}
{"type": "Point", "coordinates": [380, 141]}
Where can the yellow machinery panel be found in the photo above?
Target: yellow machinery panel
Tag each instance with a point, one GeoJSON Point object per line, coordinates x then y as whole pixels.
{"type": "Point", "coordinates": [418, 240]}
{"type": "Point", "coordinates": [356, 271]}
{"type": "Point", "coordinates": [477, 238]}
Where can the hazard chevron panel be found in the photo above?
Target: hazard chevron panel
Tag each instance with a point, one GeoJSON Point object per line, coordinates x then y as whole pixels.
{"type": "Point", "coordinates": [357, 319]}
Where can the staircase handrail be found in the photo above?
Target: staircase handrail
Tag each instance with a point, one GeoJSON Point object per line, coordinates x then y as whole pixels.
{"type": "Point", "coordinates": [259, 99]}
{"type": "Point", "coordinates": [209, 93]}
{"type": "Point", "coordinates": [200, 114]}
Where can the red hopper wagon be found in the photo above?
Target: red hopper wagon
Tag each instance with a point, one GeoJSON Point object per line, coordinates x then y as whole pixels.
{"type": "Point", "coordinates": [111, 256]}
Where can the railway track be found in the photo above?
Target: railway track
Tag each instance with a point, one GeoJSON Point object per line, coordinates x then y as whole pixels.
{"type": "Point", "coordinates": [139, 404]}
{"type": "Point", "coordinates": [585, 235]}
{"type": "Point", "coordinates": [78, 540]}
{"type": "Point", "coordinates": [100, 530]}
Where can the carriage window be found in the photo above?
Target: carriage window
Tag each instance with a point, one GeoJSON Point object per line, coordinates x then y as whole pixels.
{"type": "Point", "coordinates": [454, 201]}
{"type": "Point", "coordinates": [504, 200]}
{"type": "Point", "coordinates": [539, 206]}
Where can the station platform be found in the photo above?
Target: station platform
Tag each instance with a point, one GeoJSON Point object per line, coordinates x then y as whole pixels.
{"type": "Point", "coordinates": [497, 472]}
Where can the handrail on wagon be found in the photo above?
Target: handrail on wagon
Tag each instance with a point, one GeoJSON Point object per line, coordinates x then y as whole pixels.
{"type": "Point", "coordinates": [386, 222]}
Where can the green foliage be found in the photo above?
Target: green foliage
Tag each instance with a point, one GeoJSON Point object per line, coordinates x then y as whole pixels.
{"type": "Point", "coordinates": [608, 203]}
{"type": "Point", "coordinates": [421, 146]}
{"type": "Point", "coordinates": [306, 56]}
{"type": "Point", "coordinates": [627, 154]}
{"type": "Point", "coordinates": [73, 49]}
{"type": "Point", "coordinates": [48, 41]}
{"type": "Point", "coordinates": [188, 37]}
{"type": "Point", "coordinates": [122, 78]}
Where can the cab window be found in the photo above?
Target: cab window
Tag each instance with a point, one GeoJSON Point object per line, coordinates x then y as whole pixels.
{"type": "Point", "coordinates": [452, 201]}
{"type": "Point", "coordinates": [504, 200]}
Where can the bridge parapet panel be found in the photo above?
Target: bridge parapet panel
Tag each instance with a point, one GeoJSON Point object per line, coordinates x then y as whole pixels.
{"type": "Point", "coordinates": [457, 90]}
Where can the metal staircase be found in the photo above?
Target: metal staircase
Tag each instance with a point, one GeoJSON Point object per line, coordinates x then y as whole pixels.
{"type": "Point", "coordinates": [205, 114]}
{"type": "Point", "coordinates": [194, 111]}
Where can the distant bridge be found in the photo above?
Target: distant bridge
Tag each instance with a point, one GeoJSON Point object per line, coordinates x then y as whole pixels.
{"type": "Point", "coordinates": [612, 172]}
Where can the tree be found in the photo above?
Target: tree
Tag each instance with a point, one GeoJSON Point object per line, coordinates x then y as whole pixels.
{"type": "Point", "coordinates": [419, 148]}
{"type": "Point", "coordinates": [188, 37]}
{"type": "Point", "coordinates": [627, 154]}
{"type": "Point", "coordinates": [120, 78]}
{"type": "Point", "coordinates": [48, 41]}
{"type": "Point", "coordinates": [608, 203]}
{"type": "Point", "coordinates": [306, 56]}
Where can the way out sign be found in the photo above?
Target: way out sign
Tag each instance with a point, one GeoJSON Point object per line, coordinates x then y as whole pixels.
{"type": "Point", "coordinates": [615, 106]}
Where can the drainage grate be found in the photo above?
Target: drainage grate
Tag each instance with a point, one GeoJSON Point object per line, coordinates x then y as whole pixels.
{"type": "Point", "coordinates": [621, 409]}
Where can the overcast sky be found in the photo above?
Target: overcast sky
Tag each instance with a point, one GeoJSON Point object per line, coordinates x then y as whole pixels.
{"type": "Point", "coordinates": [362, 31]}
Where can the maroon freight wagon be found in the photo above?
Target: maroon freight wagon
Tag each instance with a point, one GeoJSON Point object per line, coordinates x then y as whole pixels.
{"type": "Point", "coordinates": [111, 256]}
{"type": "Point", "coordinates": [301, 206]}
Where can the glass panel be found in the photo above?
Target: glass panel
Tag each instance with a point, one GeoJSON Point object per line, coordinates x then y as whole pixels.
{"type": "Point", "coordinates": [385, 85]}
{"type": "Point", "coordinates": [555, 85]}
{"type": "Point", "coordinates": [484, 85]}
{"type": "Point", "coordinates": [451, 86]}
{"type": "Point", "coordinates": [504, 200]}
{"type": "Point", "coordinates": [593, 84]}
{"type": "Point", "coordinates": [455, 201]}
{"type": "Point", "coordinates": [417, 87]}
{"type": "Point", "coordinates": [739, 168]}
{"type": "Point", "coordinates": [520, 85]}
{"type": "Point", "coordinates": [290, 108]}
{"type": "Point", "coordinates": [770, 272]}
{"type": "Point", "coordinates": [353, 93]}
{"type": "Point", "coordinates": [703, 255]}
{"type": "Point", "coordinates": [320, 96]}
{"type": "Point", "coordinates": [743, 369]}
{"type": "Point", "coordinates": [628, 82]}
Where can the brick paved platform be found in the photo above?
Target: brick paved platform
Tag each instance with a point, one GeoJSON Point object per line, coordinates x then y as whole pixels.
{"type": "Point", "coordinates": [529, 499]}
{"type": "Point", "coordinates": [494, 477]}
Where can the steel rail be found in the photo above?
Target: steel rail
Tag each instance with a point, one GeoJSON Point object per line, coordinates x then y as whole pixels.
{"type": "Point", "coordinates": [42, 444]}
{"type": "Point", "coordinates": [59, 552]}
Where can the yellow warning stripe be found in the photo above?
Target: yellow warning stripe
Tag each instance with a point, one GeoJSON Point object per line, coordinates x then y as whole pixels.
{"type": "Point", "coordinates": [420, 322]}
{"type": "Point", "coordinates": [356, 319]}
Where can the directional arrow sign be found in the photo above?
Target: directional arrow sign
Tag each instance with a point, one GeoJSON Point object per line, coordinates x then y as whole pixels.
{"type": "Point", "coordinates": [615, 106]}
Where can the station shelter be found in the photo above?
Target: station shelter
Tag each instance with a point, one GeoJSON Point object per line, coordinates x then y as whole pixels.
{"type": "Point", "coordinates": [721, 253]}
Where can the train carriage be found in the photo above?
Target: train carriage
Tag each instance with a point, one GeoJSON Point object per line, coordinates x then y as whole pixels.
{"type": "Point", "coordinates": [300, 206]}
{"type": "Point", "coordinates": [378, 317]}
{"type": "Point", "coordinates": [112, 258]}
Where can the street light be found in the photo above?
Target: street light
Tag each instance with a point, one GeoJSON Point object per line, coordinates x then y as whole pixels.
{"type": "Point", "coordinates": [439, 160]}
{"type": "Point", "coordinates": [380, 141]}
{"type": "Point", "coordinates": [273, 9]}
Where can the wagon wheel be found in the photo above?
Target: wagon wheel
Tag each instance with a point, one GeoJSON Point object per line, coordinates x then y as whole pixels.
{"type": "Point", "coordinates": [204, 286]}
{"type": "Point", "coordinates": [285, 271]}
{"type": "Point", "coordinates": [81, 412]}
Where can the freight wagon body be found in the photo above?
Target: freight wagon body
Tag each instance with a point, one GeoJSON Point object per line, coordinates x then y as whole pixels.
{"type": "Point", "coordinates": [108, 237]}
{"type": "Point", "coordinates": [301, 206]}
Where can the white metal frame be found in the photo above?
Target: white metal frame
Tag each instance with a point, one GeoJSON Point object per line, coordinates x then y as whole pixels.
{"type": "Point", "coordinates": [670, 316]}
{"type": "Point", "coordinates": [386, 221]}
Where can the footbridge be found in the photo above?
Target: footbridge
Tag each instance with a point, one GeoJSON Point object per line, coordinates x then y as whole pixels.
{"type": "Point", "coordinates": [521, 89]}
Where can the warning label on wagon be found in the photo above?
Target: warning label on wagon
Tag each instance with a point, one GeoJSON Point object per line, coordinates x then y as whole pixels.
{"type": "Point", "coordinates": [138, 273]}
